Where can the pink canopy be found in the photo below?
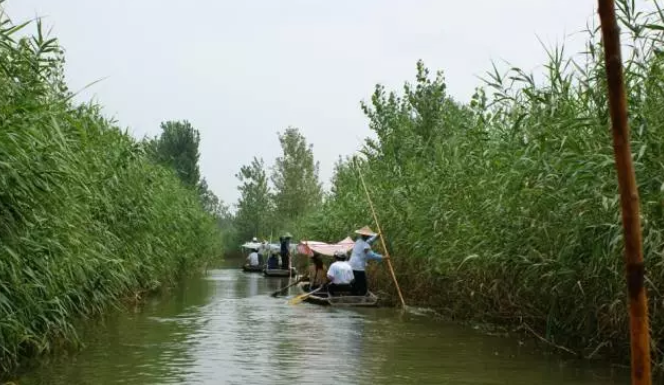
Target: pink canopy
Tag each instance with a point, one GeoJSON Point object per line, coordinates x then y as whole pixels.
{"type": "Point", "coordinates": [308, 247]}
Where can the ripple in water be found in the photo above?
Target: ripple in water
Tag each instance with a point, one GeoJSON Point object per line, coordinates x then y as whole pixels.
{"type": "Point", "coordinates": [224, 328]}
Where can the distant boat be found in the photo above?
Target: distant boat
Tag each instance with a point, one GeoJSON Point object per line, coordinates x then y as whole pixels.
{"type": "Point", "coordinates": [280, 272]}
{"type": "Point", "coordinates": [252, 269]}
{"type": "Point", "coordinates": [253, 245]}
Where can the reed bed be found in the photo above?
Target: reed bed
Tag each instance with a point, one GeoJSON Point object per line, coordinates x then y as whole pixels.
{"type": "Point", "coordinates": [85, 218]}
{"type": "Point", "coordinates": [506, 209]}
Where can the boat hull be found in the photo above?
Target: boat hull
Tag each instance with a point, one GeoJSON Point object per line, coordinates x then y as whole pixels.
{"type": "Point", "coordinates": [252, 269]}
{"type": "Point", "coordinates": [324, 299]}
{"type": "Point", "coordinates": [280, 273]}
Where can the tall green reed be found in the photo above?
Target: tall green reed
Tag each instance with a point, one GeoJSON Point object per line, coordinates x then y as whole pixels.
{"type": "Point", "coordinates": [505, 209]}
{"type": "Point", "coordinates": [85, 218]}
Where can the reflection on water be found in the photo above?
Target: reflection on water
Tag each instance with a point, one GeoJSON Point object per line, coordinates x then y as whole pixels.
{"type": "Point", "coordinates": [224, 328]}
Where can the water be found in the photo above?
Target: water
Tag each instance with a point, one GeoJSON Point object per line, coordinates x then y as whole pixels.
{"type": "Point", "coordinates": [224, 328]}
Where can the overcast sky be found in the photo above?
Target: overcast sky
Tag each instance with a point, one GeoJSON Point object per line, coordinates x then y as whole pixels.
{"type": "Point", "coordinates": [242, 70]}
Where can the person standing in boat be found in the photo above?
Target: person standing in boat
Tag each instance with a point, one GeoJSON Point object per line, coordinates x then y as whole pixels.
{"type": "Point", "coordinates": [317, 272]}
{"type": "Point", "coordinates": [361, 254]}
{"type": "Point", "coordinates": [340, 275]}
{"type": "Point", "coordinates": [252, 259]}
{"type": "Point", "coordinates": [285, 250]}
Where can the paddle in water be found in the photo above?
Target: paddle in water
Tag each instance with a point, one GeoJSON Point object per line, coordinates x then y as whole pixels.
{"type": "Point", "coordinates": [302, 297]}
{"type": "Point", "coordinates": [276, 293]}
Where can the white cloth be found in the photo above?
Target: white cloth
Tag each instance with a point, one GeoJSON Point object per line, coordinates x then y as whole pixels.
{"type": "Point", "coordinates": [253, 259]}
{"type": "Point", "coordinates": [340, 273]}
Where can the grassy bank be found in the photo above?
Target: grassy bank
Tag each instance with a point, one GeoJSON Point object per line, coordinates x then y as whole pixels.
{"type": "Point", "coordinates": [85, 218]}
{"type": "Point", "coordinates": [505, 209]}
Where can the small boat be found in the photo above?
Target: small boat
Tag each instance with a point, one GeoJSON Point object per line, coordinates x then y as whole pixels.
{"type": "Point", "coordinates": [280, 272]}
{"type": "Point", "coordinates": [252, 269]}
{"type": "Point", "coordinates": [324, 298]}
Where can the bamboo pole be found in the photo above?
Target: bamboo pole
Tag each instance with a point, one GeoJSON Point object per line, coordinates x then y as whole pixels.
{"type": "Point", "coordinates": [380, 232]}
{"type": "Point", "coordinates": [629, 197]}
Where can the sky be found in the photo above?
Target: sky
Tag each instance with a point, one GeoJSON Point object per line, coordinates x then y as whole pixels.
{"type": "Point", "coordinates": [241, 71]}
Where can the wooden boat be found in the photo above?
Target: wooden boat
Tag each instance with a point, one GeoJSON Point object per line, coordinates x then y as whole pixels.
{"type": "Point", "coordinates": [252, 269]}
{"type": "Point", "coordinates": [323, 298]}
{"type": "Point", "coordinates": [280, 272]}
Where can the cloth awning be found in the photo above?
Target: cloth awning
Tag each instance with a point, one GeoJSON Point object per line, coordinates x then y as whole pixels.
{"type": "Point", "coordinates": [252, 245]}
{"type": "Point", "coordinates": [266, 248]}
{"type": "Point", "coordinates": [327, 249]}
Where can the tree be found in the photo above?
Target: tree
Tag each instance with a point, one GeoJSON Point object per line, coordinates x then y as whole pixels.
{"type": "Point", "coordinates": [254, 208]}
{"type": "Point", "coordinates": [211, 203]}
{"type": "Point", "coordinates": [177, 147]}
{"type": "Point", "coordinates": [226, 223]}
{"type": "Point", "coordinates": [295, 177]}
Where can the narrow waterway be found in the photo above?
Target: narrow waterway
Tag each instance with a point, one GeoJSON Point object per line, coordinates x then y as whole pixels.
{"type": "Point", "coordinates": [224, 328]}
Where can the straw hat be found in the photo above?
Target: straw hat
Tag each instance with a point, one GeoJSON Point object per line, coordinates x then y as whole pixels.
{"type": "Point", "coordinates": [366, 230]}
{"type": "Point", "coordinates": [287, 235]}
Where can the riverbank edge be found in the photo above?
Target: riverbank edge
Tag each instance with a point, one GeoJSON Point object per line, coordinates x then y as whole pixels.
{"type": "Point", "coordinates": [514, 326]}
{"type": "Point", "coordinates": [505, 326]}
{"type": "Point", "coordinates": [135, 297]}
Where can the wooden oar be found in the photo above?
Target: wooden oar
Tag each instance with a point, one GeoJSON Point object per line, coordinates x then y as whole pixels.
{"type": "Point", "coordinates": [382, 238]}
{"type": "Point", "coordinates": [302, 297]}
{"type": "Point", "coordinates": [284, 289]}
{"type": "Point", "coordinates": [629, 197]}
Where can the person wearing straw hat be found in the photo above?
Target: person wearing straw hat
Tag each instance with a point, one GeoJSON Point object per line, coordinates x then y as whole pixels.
{"type": "Point", "coordinates": [361, 254]}
{"type": "Point", "coordinates": [340, 275]}
{"type": "Point", "coordinates": [285, 250]}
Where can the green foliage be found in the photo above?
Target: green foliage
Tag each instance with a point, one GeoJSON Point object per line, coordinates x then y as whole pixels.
{"type": "Point", "coordinates": [506, 208]}
{"type": "Point", "coordinates": [177, 147]}
{"type": "Point", "coordinates": [265, 212]}
{"type": "Point", "coordinates": [211, 203]}
{"type": "Point", "coordinates": [85, 216]}
{"type": "Point", "coordinates": [255, 206]}
{"type": "Point", "coordinates": [295, 178]}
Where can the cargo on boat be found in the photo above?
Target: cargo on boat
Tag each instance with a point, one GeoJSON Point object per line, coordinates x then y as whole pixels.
{"type": "Point", "coordinates": [323, 298]}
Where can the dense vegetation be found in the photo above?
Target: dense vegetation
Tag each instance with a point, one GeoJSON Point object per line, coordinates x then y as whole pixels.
{"type": "Point", "coordinates": [176, 148]}
{"type": "Point", "coordinates": [271, 205]}
{"type": "Point", "coordinates": [505, 209]}
{"type": "Point", "coordinates": [85, 216]}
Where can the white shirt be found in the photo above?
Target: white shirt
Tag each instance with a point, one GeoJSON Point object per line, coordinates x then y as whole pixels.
{"type": "Point", "coordinates": [362, 252]}
{"type": "Point", "coordinates": [253, 259]}
{"type": "Point", "coordinates": [340, 273]}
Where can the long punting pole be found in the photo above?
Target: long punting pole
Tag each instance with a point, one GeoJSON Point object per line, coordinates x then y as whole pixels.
{"type": "Point", "coordinates": [382, 238]}
{"type": "Point", "coordinates": [629, 197]}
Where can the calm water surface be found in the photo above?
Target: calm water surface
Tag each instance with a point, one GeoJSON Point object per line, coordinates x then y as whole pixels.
{"type": "Point", "coordinates": [224, 328]}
